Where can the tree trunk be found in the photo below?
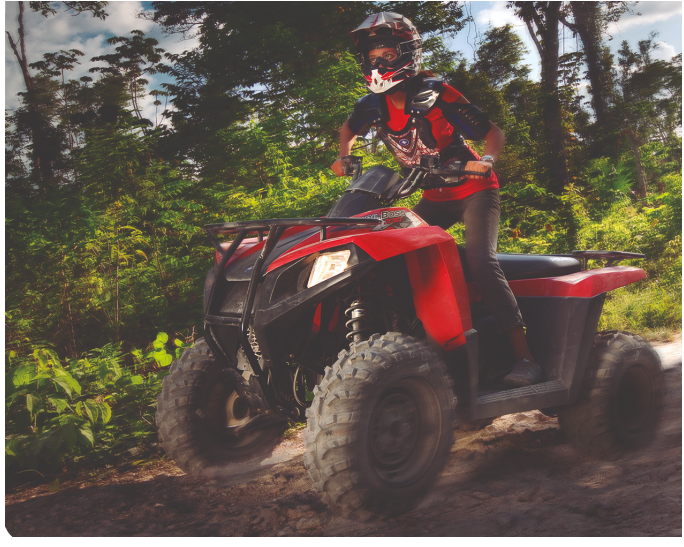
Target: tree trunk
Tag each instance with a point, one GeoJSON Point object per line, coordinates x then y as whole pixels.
{"type": "Point", "coordinates": [551, 104]}
{"type": "Point", "coordinates": [587, 16]}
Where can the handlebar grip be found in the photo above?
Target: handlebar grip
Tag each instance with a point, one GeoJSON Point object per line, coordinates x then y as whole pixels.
{"type": "Point", "coordinates": [459, 173]}
{"type": "Point", "coordinates": [351, 165]}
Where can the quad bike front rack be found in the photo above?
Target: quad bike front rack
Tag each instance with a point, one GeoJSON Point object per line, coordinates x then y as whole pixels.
{"type": "Point", "coordinates": [274, 228]}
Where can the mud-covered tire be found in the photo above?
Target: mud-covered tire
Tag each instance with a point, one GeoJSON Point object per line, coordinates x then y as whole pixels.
{"type": "Point", "coordinates": [621, 399]}
{"type": "Point", "coordinates": [380, 426]}
{"type": "Point", "coordinates": [198, 399]}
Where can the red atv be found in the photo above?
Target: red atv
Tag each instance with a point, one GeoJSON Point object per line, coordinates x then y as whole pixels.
{"type": "Point", "coordinates": [368, 322]}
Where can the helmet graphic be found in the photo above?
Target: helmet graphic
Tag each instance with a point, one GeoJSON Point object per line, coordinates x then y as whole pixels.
{"type": "Point", "coordinates": [389, 50]}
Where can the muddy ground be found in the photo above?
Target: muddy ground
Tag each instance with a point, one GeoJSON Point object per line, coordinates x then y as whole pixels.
{"type": "Point", "coordinates": [517, 477]}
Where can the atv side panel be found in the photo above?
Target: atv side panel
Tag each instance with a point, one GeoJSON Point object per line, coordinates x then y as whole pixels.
{"type": "Point", "coordinates": [439, 293]}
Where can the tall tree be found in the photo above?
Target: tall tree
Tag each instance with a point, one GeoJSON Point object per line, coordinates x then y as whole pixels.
{"type": "Point", "coordinates": [590, 20]}
{"type": "Point", "coordinates": [651, 104]}
{"type": "Point", "coordinates": [134, 58]}
{"type": "Point", "coordinates": [44, 146]}
{"type": "Point", "coordinates": [542, 20]}
{"type": "Point", "coordinates": [499, 55]}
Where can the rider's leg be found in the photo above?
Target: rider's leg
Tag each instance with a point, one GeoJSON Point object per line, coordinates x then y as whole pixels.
{"type": "Point", "coordinates": [481, 217]}
{"type": "Point", "coordinates": [516, 336]}
{"type": "Point", "coordinates": [437, 213]}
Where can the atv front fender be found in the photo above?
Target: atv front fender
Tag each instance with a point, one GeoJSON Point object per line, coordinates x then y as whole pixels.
{"type": "Point", "coordinates": [439, 293]}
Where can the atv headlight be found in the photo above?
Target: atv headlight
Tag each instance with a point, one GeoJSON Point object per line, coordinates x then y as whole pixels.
{"type": "Point", "coordinates": [327, 265]}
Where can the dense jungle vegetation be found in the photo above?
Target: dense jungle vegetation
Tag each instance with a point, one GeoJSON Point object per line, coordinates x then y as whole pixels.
{"type": "Point", "coordinates": [105, 254]}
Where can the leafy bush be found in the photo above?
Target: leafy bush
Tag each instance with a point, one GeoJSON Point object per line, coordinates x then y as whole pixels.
{"type": "Point", "coordinates": [90, 409]}
{"type": "Point", "coordinates": [652, 306]}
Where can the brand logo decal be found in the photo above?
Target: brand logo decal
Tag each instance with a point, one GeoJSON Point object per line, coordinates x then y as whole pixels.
{"type": "Point", "coordinates": [404, 142]}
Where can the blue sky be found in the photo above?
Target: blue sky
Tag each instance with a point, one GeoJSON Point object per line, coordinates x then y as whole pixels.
{"type": "Point", "coordinates": [89, 35]}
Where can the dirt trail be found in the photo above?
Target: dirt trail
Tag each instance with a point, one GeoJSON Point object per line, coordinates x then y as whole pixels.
{"type": "Point", "coordinates": [517, 477]}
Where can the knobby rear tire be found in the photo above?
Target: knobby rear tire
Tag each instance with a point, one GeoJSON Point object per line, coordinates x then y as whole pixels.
{"type": "Point", "coordinates": [197, 401]}
{"type": "Point", "coordinates": [380, 426]}
{"type": "Point", "coordinates": [621, 400]}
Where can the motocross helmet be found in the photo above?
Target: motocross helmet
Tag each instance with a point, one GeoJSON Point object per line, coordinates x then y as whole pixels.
{"type": "Point", "coordinates": [388, 30]}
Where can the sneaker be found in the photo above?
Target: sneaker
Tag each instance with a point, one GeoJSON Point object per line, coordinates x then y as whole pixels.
{"type": "Point", "coordinates": [525, 373]}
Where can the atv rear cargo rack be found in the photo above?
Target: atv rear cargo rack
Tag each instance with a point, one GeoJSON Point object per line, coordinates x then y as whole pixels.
{"type": "Point", "coordinates": [613, 257]}
{"type": "Point", "coordinates": [275, 228]}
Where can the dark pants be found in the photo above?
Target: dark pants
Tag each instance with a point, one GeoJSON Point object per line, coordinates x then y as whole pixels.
{"type": "Point", "coordinates": [480, 214]}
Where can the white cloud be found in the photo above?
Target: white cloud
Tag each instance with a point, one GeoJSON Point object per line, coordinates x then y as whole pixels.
{"type": "Point", "coordinates": [665, 51]}
{"type": "Point", "coordinates": [497, 16]}
{"type": "Point", "coordinates": [651, 12]}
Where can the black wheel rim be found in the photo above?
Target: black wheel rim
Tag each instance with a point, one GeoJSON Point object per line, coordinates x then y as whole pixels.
{"type": "Point", "coordinates": [404, 432]}
{"type": "Point", "coordinates": [225, 409]}
{"type": "Point", "coordinates": [635, 399]}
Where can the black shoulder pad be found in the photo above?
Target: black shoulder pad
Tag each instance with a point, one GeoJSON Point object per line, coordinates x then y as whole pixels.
{"type": "Point", "coordinates": [424, 98]}
{"type": "Point", "coordinates": [367, 112]}
{"type": "Point", "coordinates": [467, 119]}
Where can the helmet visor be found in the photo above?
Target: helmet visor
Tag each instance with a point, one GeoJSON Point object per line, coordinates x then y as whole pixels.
{"type": "Point", "coordinates": [382, 53]}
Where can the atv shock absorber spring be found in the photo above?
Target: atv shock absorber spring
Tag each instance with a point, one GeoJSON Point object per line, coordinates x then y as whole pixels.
{"type": "Point", "coordinates": [358, 322]}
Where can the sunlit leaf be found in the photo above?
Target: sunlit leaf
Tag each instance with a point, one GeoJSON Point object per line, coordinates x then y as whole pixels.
{"type": "Point", "coordinates": [136, 380]}
{"type": "Point", "coordinates": [63, 384]}
{"type": "Point", "coordinates": [60, 404]}
{"type": "Point", "coordinates": [88, 434]}
{"type": "Point", "coordinates": [22, 375]}
{"type": "Point", "coordinates": [91, 410]}
{"type": "Point", "coordinates": [105, 412]}
{"type": "Point", "coordinates": [32, 403]}
{"type": "Point", "coordinates": [64, 376]}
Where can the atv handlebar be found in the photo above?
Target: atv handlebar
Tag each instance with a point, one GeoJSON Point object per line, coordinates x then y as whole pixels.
{"type": "Point", "coordinates": [454, 175]}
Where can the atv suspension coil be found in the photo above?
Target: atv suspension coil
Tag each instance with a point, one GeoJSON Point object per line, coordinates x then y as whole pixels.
{"type": "Point", "coordinates": [358, 322]}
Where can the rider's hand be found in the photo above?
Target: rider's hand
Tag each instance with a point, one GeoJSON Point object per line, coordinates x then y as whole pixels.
{"type": "Point", "coordinates": [337, 168]}
{"type": "Point", "coordinates": [478, 166]}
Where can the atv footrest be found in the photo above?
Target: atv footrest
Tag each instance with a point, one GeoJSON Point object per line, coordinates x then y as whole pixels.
{"type": "Point", "coordinates": [544, 387]}
{"type": "Point", "coordinates": [521, 399]}
{"type": "Point", "coordinates": [220, 320]}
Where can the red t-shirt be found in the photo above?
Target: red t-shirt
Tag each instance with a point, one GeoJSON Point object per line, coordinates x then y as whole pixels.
{"type": "Point", "coordinates": [443, 133]}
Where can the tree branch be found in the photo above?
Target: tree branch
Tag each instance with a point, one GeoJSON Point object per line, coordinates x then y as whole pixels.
{"type": "Point", "coordinates": [21, 31]}
{"type": "Point", "coordinates": [563, 20]}
{"type": "Point", "coordinates": [22, 63]}
{"type": "Point", "coordinates": [534, 37]}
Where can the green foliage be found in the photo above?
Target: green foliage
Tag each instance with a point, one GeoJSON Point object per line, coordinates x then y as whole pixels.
{"type": "Point", "coordinates": [89, 409]}
{"type": "Point", "coordinates": [651, 306]}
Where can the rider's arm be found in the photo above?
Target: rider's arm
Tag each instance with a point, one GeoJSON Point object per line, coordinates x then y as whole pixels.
{"type": "Point", "coordinates": [494, 143]}
{"type": "Point", "coordinates": [347, 140]}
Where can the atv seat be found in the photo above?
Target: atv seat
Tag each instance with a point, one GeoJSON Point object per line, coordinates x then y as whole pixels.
{"type": "Point", "coordinates": [523, 266]}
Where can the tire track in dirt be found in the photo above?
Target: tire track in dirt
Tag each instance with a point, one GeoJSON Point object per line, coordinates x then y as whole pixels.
{"type": "Point", "coordinates": [516, 477]}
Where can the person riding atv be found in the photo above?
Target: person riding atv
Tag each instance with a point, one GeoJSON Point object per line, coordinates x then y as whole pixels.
{"type": "Point", "coordinates": [369, 325]}
{"type": "Point", "coordinates": [417, 114]}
